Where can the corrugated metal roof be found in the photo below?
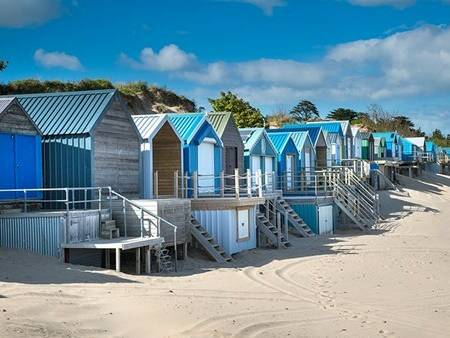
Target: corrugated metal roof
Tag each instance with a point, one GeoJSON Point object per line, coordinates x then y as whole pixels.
{"type": "Point", "coordinates": [299, 138]}
{"type": "Point", "coordinates": [5, 102]}
{"type": "Point", "coordinates": [334, 127]}
{"type": "Point", "coordinates": [314, 131]}
{"type": "Point", "coordinates": [365, 135]}
{"type": "Point", "coordinates": [279, 140]}
{"type": "Point", "coordinates": [388, 135]}
{"type": "Point", "coordinates": [148, 125]}
{"type": "Point", "coordinates": [355, 130]}
{"type": "Point", "coordinates": [187, 124]}
{"type": "Point", "coordinates": [219, 121]}
{"type": "Point", "coordinates": [66, 113]}
{"type": "Point", "coordinates": [250, 136]}
{"type": "Point", "coordinates": [345, 125]}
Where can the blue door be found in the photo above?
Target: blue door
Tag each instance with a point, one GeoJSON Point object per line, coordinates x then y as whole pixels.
{"type": "Point", "coordinates": [28, 164]}
{"type": "Point", "coordinates": [7, 164]}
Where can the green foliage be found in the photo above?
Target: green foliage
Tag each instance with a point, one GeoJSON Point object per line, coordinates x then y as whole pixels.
{"type": "Point", "coordinates": [3, 65]}
{"type": "Point", "coordinates": [28, 86]}
{"type": "Point", "coordinates": [304, 111]}
{"type": "Point", "coordinates": [439, 139]}
{"type": "Point", "coordinates": [244, 114]}
{"type": "Point", "coordinates": [343, 114]}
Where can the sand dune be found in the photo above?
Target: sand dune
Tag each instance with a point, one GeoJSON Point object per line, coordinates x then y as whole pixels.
{"type": "Point", "coordinates": [392, 281]}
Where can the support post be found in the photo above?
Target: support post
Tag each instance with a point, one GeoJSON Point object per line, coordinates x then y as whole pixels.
{"type": "Point", "coordinates": [148, 260]}
{"type": "Point", "coordinates": [25, 207]}
{"type": "Point", "coordinates": [124, 213]}
{"type": "Point", "coordinates": [138, 261]}
{"type": "Point", "coordinates": [155, 184]}
{"type": "Point", "coordinates": [249, 183]}
{"type": "Point", "coordinates": [117, 259]}
{"type": "Point", "coordinates": [274, 183]}
{"type": "Point", "coordinates": [236, 183]}
{"type": "Point", "coordinates": [278, 230]}
{"type": "Point", "coordinates": [195, 183]}
{"type": "Point", "coordinates": [259, 180]}
{"type": "Point", "coordinates": [175, 184]}
{"type": "Point", "coordinates": [286, 224]}
{"type": "Point", "coordinates": [107, 259]}
{"type": "Point", "coordinates": [222, 184]}
{"type": "Point", "coordinates": [186, 186]}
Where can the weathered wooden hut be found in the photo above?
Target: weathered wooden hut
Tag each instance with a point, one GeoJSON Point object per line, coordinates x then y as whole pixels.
{"type": "Point", "coordinates": [288, 159]}
{"type": "Point", "coordinates": [20, 151]}
{"type": "Point", "coordinates": [89, 139]}
{"type": "Point", "coordinates": [233, 147]}
{"type": "Point", "coordinates": [259, 152]}
{"type": "Point", "coordinates": [161, 155]}
{"type": "Point", "coordinates": [202, 150]}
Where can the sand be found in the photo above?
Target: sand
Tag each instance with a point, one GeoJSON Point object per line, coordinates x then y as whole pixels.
{"type": "Point", "coordinates": [391, 281]}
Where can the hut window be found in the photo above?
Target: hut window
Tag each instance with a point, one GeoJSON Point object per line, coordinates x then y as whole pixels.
{"type": "Point", "coordinates": [243, 224]}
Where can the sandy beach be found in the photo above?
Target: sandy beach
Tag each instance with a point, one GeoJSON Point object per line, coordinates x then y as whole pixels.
{"type": "Point", "coordinates": [391, 281]}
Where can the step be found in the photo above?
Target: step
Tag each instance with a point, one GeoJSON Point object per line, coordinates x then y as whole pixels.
{"type": "Point", "coordinates": [109, 224]}
{"type": "Point", "coordinates": [110, 233]}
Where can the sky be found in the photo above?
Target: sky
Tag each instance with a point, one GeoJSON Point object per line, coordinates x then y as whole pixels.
{"type": "Point", "coordinates": [273, 53]}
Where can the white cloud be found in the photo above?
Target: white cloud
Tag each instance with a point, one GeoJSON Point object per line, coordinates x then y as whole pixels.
{"type": "Point", "coordinates": [21, 13]}
{"type": "Point", "coordinates": [403, 64]}
{"type": "Point", "coordinates": [267, 6]}
{"type": "Point", "coordinates": [57, 60]}
{"type": "Point", "coordinates": [375, 3]}
{"type": "Point", "coordinates": [169, 58]}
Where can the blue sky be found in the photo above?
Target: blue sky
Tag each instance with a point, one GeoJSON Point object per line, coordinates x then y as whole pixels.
{"type": "Point", "coordinates": [349, 53]}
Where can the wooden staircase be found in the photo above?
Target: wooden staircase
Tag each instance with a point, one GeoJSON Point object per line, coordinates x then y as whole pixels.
{"type": "Point", "coordinates": [108, 227]}
{"type": "Point", "coordinates": [271, 232]}
{"type": "Point", "coordinates": [294, 220]}
{"type": "Point", "coordinates": [208, 243]}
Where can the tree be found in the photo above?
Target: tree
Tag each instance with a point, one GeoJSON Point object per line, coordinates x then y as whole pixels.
{"type": "Point", "coordinates": [304, 111]}
{"type": "Point", "coordinates": [3, 65]}
{"type": "Point", "coordinates": [343, 114]}
{"type": "Point", "coordinates": [244, 114]}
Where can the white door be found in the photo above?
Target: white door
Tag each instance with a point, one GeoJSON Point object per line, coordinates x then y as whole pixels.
{"type": "Point", "coordinates": [206, 167]}
{"type": "Point", "coordinates": [256, 166]}
{"type": "Point", "coordinates": [268, 169]}
{"type": "Point", "coordinates": [243, 224]}
{"type": "Point", "coordinates": [308, 166]}
{"type": "Point", "coordinates": [290, 171]}
{"type": "Point", "coordinates": [326, 219]}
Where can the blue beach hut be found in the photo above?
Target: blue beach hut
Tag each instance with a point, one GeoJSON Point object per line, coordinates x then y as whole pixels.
{"type": "Point", "coordinates": [393, 144]}
{"type": "Point", "coordinates": [202, 149]}
{"type": "Point", "coordinates": [336, 139]}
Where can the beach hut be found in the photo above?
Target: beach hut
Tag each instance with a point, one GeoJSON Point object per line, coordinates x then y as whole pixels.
{"type": "Point", "coordinates": [202, 150]}
{"type": "Point", "coordinates": [318, 138]}
{"type": "Point", "coordinates": [20, 151]}
{"type": "Point", "coordinates": [357, 142]}
{"type": "Point", "coordinates": [233, 147]}
{"type": "Point", "coordinates": [306, 151]}
{"type": "Point", "coordinates": [430, 150]}
{"type": "Point", "coordinates": [259, 152]}
{"type": "Point", "coordinates": [347, 150]}
{"type": "Point", "coordinates": [161, 155]}
{"type": "Point", "coordinates": [393, 144]}
{"type": "Point", "coordinates": [380, 148]}
{"type": "Point", "coordinates": [288, 159]}
{"type": "Point", "coordinates": [367, 146]}
{"type": "Point", "coordinates": [335, 137]}
{"type": "Point", "coordinates": [89, 139]}
{"type": "Point", "coordinates": [412, 147]}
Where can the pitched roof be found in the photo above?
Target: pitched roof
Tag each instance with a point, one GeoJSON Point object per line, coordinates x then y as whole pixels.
{"type": "Point", "coordinates": [418, 141]}
{"type": "Point", "coordinates": [334, 127]}
{"type": "Point", "coordinates": [366, 135]}
{"type": "Point", "coordinates": [67, 113]}
{"type": "Point", "coordinates": [5, 102]}
{"type": "Point", "coordinates": [219, 121]}
{"type": "Point", "coordinates": [388, 135]}
{"type": "Point", "coordinates": [300, 138]}
{"type": "Point", "coordinates": [187, 124]}
{"type": "Point", "coordinates": [355, 130]}
{"type": "Point", "coordinates": [251, 136]}
{"type": "Point", "coordinates": [280, 140]}
{"type": "Point", "coordinates": [149, 125]}
{"type": "Point", "coordinates": [314, 131]}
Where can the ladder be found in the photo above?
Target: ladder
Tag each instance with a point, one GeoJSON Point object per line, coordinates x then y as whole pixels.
{"type": "Point", "coordinates": [275, 237]}
{"type": "Point", "coordinates": [208, 243]}
{"type": "Point", "coordinates": [294, 220]}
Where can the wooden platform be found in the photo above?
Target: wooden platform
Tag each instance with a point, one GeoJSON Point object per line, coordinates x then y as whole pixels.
{"type": "Point", "coordinates": [119, 244]}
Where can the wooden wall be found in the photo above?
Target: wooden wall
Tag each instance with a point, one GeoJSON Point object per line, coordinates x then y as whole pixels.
{"type": "Point", "coordinates": [166, 159]}
{"type": "Point", "coordinates": [116, 152]}
{"type": "Point", "coordinates": [232, 138]}
{"type": "Point", "coordinates": [15, 121]}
